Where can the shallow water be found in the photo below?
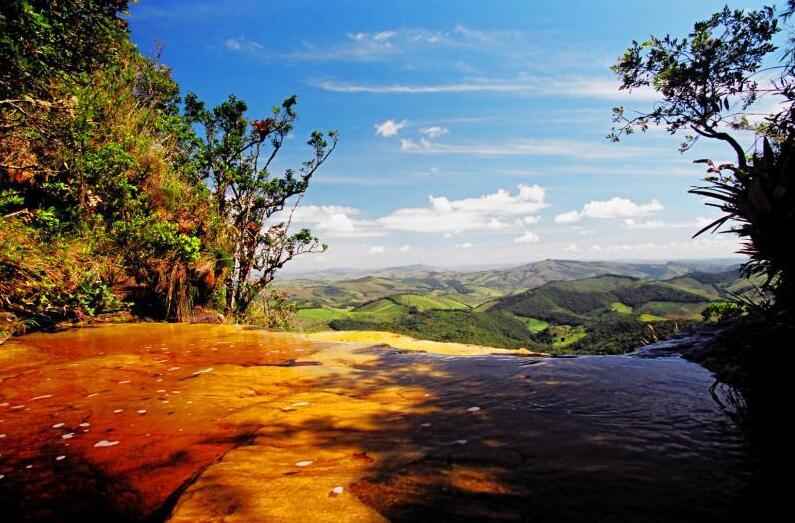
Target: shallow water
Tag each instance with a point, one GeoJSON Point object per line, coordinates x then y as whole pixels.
{"type": "Point", "coordinates": [215, 423]}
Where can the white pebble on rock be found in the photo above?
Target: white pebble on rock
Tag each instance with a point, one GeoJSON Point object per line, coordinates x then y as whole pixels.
{"type": "Point", "coordinates": [105, 443]}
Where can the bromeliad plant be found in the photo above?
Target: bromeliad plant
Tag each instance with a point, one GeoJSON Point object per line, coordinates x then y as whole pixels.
{"type": "Point", "coordinates": [759, 204]}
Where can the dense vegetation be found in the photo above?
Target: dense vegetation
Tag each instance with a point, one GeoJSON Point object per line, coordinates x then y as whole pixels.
{"type": "Point", "coordinates": [479, 328]}
{"type": "Point", "coordinates": [109, 199]}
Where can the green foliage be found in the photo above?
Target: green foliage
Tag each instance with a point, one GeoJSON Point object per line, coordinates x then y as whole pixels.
{"type": "Point", "coordinates": [44, 282]}
{"type": "Point", "coordinates": [619, 335]}
{"type": "Point", "coordinates": [535, 325]}
{"type": "Point", "coordinates": [620, 308]}
{"type": "Point", "coordinates": [273, 310]}
{"type": "Point", "coordinates": [148, 238]}
{"type": "Point", "coordinates": [700, 78]}
{"type": "Point", "coordinates": [96, 163]}
{"type": "Point", "coordinates": [9, 199]}
{"type": "Point", "coordinates": [490, 329]}
{"type": "Point", "coordinates": [721, 310]}
{"type": "Point", "coordinates": [93, 295]}
{"type": "Point", "coordinates": [44, 40]}
{"type": "Point", "coordinates": [708, 82]}
{"type": "Point", "coordinates": [234, 159]}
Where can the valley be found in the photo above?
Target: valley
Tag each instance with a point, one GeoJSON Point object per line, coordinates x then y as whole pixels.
{"type": "Point", "coordinates": [554, 306]}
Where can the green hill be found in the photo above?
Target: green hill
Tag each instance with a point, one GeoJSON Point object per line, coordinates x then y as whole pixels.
{"type": "Point", "coordinates": [573, 302]}
{"type": "Point", "coordinates": [605, 313]}
{"type": "Point", "coordinates": [463, 326]}
{"type": "Point", "coordinates": [349, 288]}
{"type": "Point", "coordinates": [428, 302]}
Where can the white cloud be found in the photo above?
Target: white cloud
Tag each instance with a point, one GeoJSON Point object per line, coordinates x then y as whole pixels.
{"type": "Point", "coordinates": [696, 223]}
{"type": "Point", "coordinates": [649, 224]}
{"type": "Point", "coordinates": [391, 43]}
{"type": "Point", "coordinates": [572, 247]}
{"type": "Point", "coordinates": [562, 87]}
{"type": "Point", "coordinates": [405, 248]}
{"type": "Point", "coordinates": [613, 208]}
{"type": "Point", "coordinates": [484, 213]}
{"type": "Point", "coordinates": [662, 250]}
{"type": "Point", "coordinates": [528, 237]}
{"type": "Point", "coordinates": [568, 217]}
{"type": "Point", "coordinates": [466, 245]}
{"type": "Point", "coordinates": [588, 150]}
{"type": "Point", "coordinates": [620, 208]}
{"type": "Point", "coordinates": [242, 44]}
{"type": "Point", "coordinates": [389, 128]}
{"type": "Point", "coordinates": [434, 131]}
{"type": "Point", "coordinates": [332, 221]}
{"type": "Point", "coordinates": [377, 249]}
{"type": "Point", "coordinates": [358, 47]}
{"type": "Point", "coordinates": [384, 35]}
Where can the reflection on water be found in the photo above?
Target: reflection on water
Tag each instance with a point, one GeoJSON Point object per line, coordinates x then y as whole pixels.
{"type": "Point", "coordinates": [215, 423]}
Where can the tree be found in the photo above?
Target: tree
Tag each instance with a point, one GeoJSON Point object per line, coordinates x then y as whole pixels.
{"type": "Point", "coordinates": [45, 40]}
{"type": "Point", "coordinates": [709, 83]}
{"type": "Point", "coordinates": [234, 159]}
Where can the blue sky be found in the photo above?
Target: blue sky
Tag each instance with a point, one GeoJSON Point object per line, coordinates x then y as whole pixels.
{"type": "Point", "coordinates": [471, 132]}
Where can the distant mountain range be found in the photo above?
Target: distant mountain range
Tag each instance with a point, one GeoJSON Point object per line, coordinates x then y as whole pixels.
{"type": "Point", "coordinates": [349, 287]}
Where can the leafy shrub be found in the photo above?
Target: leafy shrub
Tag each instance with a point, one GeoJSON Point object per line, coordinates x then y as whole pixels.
{"type": "Point", "coordinates": [721, 310]}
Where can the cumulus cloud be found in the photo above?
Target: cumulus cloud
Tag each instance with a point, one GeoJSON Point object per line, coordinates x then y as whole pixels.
{"type": "Point", "coordinates": [389, 128]}
{"type": "Point", "coordinates": [568, 217]}
{"type": "Point", "coordinates": [528, 237]}
{"type": "Point", "coordinates": [405, 248]}
{"type": "Point", "coordinates": [484, 213]}
{"type": "Point", "coordinates": [466, 245]}
{"type": "Point", "coordinates": [332, 221]}
{"type": "Point", "coordinates": [613, 208]}
{"type": "Point", "coordinates": [376, 249]}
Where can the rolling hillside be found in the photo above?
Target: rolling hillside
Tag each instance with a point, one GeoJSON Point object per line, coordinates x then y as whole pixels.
{"type": "Point", "coordinates": [579, 301]}
{"type": "Point", "coordinates": [614, 308]}
{"type": "Point", "coordinates": [473, 288]}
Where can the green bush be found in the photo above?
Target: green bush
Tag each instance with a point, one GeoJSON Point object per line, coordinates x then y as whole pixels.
{"type": "Point", "coordinates": [721, 310]}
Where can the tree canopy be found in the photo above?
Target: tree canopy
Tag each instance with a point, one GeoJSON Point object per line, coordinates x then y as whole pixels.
{"type": "Point", "coordinates": [709, 83]}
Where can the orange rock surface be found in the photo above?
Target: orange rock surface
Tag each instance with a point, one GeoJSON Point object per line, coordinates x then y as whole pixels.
{"type": "Point", "coordinates": [198, 423]}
